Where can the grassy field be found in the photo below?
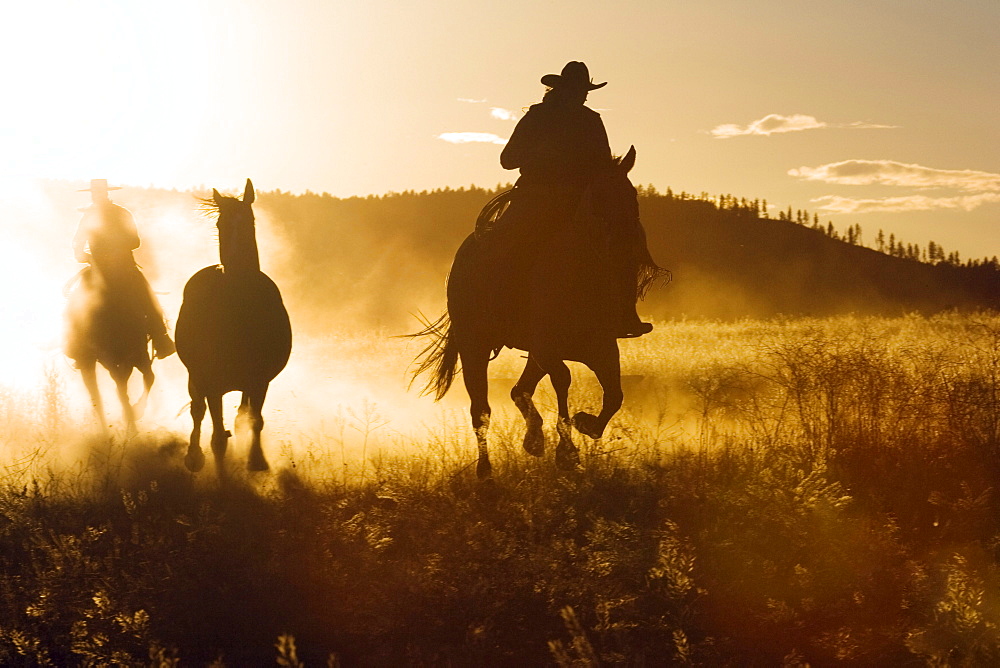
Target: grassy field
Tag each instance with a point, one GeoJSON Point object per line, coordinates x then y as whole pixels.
{"type": "Point", "coordinates": [784, 492]}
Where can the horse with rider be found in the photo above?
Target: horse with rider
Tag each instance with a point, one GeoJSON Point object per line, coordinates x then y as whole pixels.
{"type": "Point", "coordinates": [554, 267]}
{"type": "Point", "coordinates": [112, 313]}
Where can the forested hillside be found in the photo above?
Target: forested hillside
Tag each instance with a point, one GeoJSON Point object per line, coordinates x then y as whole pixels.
{"type": "Point", "coordinates": [384, 258]}
{"type": "Point", "coordinates": [378, 260]}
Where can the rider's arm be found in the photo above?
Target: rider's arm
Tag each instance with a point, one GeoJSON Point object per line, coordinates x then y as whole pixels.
{"type": "Point", "coordinates": [598, 142]}
{"type": "Point", "coordinates": [523, 144]}
{"type": "Point", "coordinates": [80, 250]}
{"type": "Point", "coordinates": [128, 230]}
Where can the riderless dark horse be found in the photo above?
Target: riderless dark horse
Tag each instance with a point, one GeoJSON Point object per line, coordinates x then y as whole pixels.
{"type": "Point", "coordinates": [563, 320]}
{"type": "Point", "coordinates": [104, 327]}
{"type": "Point", "coordinates": [232, 333]}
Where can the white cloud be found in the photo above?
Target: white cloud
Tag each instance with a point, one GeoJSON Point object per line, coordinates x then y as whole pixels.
{"type": "Point", "coordinates": [472, 137]}
{"type": "Point", "coordinates": [864, 125]}
{"type": "Point", "coordinates": [503, 114]}
{"type": "Point", "coordinates": [778, 124]}
{"type": "Point", "coordinates": [469, 100]}
{"type": "Point", "coordinates": [837, 204]}
{"type": "Point", "coordinates": [769, 125]}
{"type": "Point", "coordinates": [889, 172]}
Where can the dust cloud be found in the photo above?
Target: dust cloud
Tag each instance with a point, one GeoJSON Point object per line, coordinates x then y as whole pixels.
{"type": "Point", "coordinates": [345, 390]}
{"type": "Point", "coordinates": [346, 394]}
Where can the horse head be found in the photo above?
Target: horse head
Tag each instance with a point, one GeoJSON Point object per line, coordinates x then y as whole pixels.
{"type": "Point", "coordinates": [613, 199]}
{"type": "Point", "coordinates": [237, 235]}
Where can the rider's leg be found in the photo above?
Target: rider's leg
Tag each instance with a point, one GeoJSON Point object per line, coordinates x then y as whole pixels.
{"type": "Point", "coordinates": [626, 290]}
{"type": "Point", "coordinates": [630, 323]}
{"type": "Point", "coordinates": [153, 315]}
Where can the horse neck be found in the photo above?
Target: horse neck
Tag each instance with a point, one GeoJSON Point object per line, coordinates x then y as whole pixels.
{"type": "Point", "coordinates": [238, 252]}
{"type": "Point", "coordinates": [610, 199]}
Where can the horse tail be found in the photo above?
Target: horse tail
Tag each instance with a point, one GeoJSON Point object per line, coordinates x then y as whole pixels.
{"type": "Point", "coordinates": [439, 358]}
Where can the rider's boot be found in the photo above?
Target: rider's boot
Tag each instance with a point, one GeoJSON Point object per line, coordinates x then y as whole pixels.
{"type": "Point", "coordinates": [631, 326]}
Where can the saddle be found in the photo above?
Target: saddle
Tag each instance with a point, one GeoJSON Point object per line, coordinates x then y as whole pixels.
{"type": "Point", "coordinates": [540, 274]}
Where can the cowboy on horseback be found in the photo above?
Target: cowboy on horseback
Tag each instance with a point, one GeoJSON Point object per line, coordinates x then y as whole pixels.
{"type": "Point", "coordinates": [560, 146]}
{"type": "Point", "coordinates": [105, 240]}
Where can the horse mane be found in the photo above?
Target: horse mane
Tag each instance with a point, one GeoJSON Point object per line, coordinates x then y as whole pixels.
{"type": "Point", "coordinates": [209, 207]}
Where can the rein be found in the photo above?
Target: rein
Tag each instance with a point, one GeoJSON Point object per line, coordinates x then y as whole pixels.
{"type": "Point", "coordinates": [493, 210]}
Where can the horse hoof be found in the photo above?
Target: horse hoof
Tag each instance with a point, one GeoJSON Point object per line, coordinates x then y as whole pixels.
{"type": "Point", "coordinates": [487, 492]}
{"type": "Point", "coordinates": [588, 425]}
{"type": "Point", "coordinates": [567, 457]}
{"type": "Point", "coordinates": [257, 463]}
{"type": "Point", "coordinates": [194, 460]}
{"type": "Point", "coordinates": [534, 442]}
{"type": "Point", "coordinates": [484, 470]}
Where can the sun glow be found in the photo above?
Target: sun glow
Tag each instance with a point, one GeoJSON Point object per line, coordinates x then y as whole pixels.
{"type": "Point", "coordinates": [107, 88]}
{"type": "Point", "coordinates": [33, 279]}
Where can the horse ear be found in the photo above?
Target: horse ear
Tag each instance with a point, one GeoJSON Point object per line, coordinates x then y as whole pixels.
{"type": "Point", "coordinates": [628, 162]}
{"type": "Point", "coordinates": [248, 195]}
{"type": "Point", "coordinates": [216, 196]}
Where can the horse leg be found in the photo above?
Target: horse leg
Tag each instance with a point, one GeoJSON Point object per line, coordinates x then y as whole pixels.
{"type": "Point", "coordinates": [607, 367]}
{"type": "Point", "coordinates": [254, 403]}
{"type": "Point", "coordinates": [89, 372]}
{"type": "Point", "coordinates": [567, 455]}
{"type": "Point", "coordinates": [121, 376]}
{"type": "Point", "coordinates": [195, 458]}
{"type": "Point", "coordinates": [139, 407]}
{"type": "Point", "coordinates": [474, 364]}
{"type": "Point", "coordinates": [220, 437]}
{"type": "Point", "coordinates": [243, 422]}
{"type": "Point", "coordinates": [534, 438]}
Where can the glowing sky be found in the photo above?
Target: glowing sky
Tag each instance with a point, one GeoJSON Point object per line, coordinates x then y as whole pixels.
{"type": "Point", "coordinates": [877, 112]}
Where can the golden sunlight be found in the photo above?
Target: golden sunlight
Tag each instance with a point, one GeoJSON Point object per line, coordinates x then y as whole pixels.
{"type": "Point", "coordinates": [33, 311]}
{"type": "Point", "coordinates": [108, 88]}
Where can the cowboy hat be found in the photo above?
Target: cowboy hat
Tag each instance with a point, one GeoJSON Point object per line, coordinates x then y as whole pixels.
{"type": "Point", "coordinates": [98, 185]}
{"type": "Point", "coordinates": [574, 75]}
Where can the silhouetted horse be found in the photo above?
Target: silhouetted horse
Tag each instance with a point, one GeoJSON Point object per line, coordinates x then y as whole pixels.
{"type": "Point", "coordinates": [232, 333]}
{"type": "Point", "coordinates": [104, 327]}
{"type": "Point", "coordinates": [563, 316]}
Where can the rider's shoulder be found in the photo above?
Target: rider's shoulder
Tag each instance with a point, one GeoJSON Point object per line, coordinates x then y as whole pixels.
{"type": "Point", "coordinates": [116, 209]}
{"type": "Point", "coordinates": [536, 109]}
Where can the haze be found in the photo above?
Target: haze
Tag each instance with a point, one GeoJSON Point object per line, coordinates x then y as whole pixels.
{"type": "Point", "coordinates": [769, 99]}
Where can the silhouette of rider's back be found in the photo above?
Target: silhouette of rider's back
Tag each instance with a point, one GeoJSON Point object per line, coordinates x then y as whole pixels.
{"type": "Point", "coordinates": [560, 146]}
{"type": "Point", "coordinates": [105, 239]}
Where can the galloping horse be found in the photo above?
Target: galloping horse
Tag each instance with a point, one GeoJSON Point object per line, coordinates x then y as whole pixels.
{"type": "Point", "coordinates": [104, 327]}
{"type": "Point", "coordinates": [565, 319]}
{"type": "Point", "coordinates": [232, 333]}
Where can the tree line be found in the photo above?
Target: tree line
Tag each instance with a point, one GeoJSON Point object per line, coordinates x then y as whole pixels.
{"type": "Point", "coordinates": [741, 207]}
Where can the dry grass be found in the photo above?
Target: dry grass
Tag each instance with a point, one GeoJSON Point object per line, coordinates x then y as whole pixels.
{"type": "Point", "coordinates": [777, 493]}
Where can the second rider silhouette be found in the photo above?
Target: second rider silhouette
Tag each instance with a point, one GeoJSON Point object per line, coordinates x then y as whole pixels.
{"type": "Point", "coordinates": [105, 240]}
